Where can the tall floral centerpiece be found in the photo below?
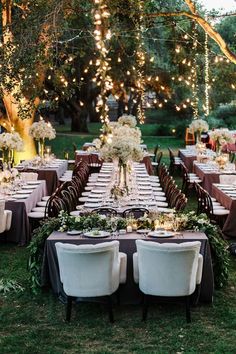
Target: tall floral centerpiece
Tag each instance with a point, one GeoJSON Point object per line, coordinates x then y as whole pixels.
{"type": "Point", "coordinates": [123, 146]}
{"type": "Point", "coordinates": [40, 131]}
{"type": "Point", "coordinates": [199, 126]}
{"type": "Point", "coordinates": [221, 137]}
{"type": "Point", "coordinates": [10, 142]}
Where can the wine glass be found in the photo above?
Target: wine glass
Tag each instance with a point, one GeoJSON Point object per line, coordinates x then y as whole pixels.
{"type": "Point", "coordinates": [113, 226]}
{"type": "Point", "coordinates": [175, 225]}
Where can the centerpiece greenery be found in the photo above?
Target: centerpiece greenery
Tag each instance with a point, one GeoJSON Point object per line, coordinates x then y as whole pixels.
{"type": "Point", "coordinates": [65, 222]}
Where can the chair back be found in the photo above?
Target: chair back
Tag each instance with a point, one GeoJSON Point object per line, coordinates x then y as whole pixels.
{"type": "Point", "coordinates": [167, 269]}
{"type": "Point", "coordinates": [29, 176]}
{"type": "Point", "coordinates": [135, 212]}
{"type": "Point", "coordinates": [89, 270]}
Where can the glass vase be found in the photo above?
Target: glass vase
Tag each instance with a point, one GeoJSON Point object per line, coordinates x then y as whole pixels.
{"type": "Point", "coordinates": [8, 156]}
{"type": "Point", "coordinates": [218, 148]}
{"type": "Point", "coordinates": [198, 137]}
{"type": "Point", "coordinates": [122, 177]}
{"type": "Point", "coordinates": [41, 146]}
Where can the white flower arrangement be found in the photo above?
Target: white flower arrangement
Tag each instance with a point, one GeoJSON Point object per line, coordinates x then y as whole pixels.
{"type": "Point", "coordinates": [11, 141]}
{"type": "Point", "coordinates": [124, 145]}
{"type": "Point", "coordinates": [98, 144]}
{"type": "Point", "coordinates": [42, 130]}
{"type": "Point", "coordinates": [128, 119]}
{"type": "Point", "coordinates": [199, 125]}
{"type": "Point", "coordinates": [7, 176]}
{"type": "Point", "coordinates": [222, 136]}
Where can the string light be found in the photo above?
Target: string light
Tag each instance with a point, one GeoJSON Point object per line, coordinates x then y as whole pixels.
{"type": "Point", "coordinates": [102, 35]}
{"type": "Point", "coordinates": [140, 58]}
{"type": "Point", "coordinates": [207, 107]}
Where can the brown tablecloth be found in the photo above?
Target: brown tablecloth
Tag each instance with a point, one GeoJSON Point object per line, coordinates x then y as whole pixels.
{"type": "Point", "coordinates": [208, 178]}
{"type": "Point", "coordinates": [50, 174]}
{"type": "Point", "coordinates": [229, 228]}
{"type": "Point", "coordinates": [20, 229]}
{"type": "Point", "coordinates": [188, 160]}
{"type": "Point", "coordinates": [87, 157]}
{"type": "Point", "coordinates": [129, 292]}
{"type": "Point", "coordinates": [94, 158]}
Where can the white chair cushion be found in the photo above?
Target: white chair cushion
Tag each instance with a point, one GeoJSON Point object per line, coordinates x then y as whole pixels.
{"type": "Point", "coordinates": [42, 204]}
{"type": "Point", "coordinates": [36, 215]}
{"type": "Point", "coordinates": [166, 210]}
{"type": "Point", "coordinates": [75, 213]}
{"type": "Point", "coordinates": [220, 212]}
{"type": "Point", "coordinates": [40, 209]}
{"type": "Point", "coordinates": [45, 199]}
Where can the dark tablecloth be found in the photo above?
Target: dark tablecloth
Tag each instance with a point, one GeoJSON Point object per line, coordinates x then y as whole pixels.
{"type": "Point", "coordinates": [208, 178]}
{"type": "Point", "coordinates": [188, 160]}
{"type": "Point", "coordinates": [50, 174]}
{"type": "Point", "coordinates": [129, 291]}
{"type": "Point", "coordinates": [94, 158]}
{"type": "Point", "coordinates": [20, 229]}
{"type": "Point", "coordinates": [229, 229]}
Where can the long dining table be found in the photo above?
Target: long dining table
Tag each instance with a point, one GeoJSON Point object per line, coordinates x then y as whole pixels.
{"type": "Point", "coordinates": [21, 203]}
{"type": "Point", "coordinates": [93, 158]}
{"type": "Point", "coordinates": [226, 195]}
{"type": "Point", "coordinates": [210, 174]}
{"type": "Point", "coordinates": [143, 189]}
{"type": "Point", "coordinates": [51, 172]}
{"type": "Point", "coordinates": [129, 292]}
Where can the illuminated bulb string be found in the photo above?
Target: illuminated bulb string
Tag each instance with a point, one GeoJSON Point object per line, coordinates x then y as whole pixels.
{"type": "Point", "coordinates": [207, 106]}
{"type": "Point", "coordinates": [140, 55]}
{"type": "Point", "coordinates": [102, 78]}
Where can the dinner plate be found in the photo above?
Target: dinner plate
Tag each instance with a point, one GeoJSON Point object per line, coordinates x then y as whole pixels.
{"type": "Point", "coordinates": [97, 234]}
{"type": "Point", "coordinates": [29, 187]}
{"type": "Point", "coordinates": [92, 205]}
{"type": "Point", "coordinates": [98, 191]}
{"type": "Point", "coordinates": [144, 188]}
{"type": "Point", "coordinates": [24, 191]}
{"type": "Point", "coordinates": [34, 182]}
{"type": "Point", "coordinates": [160, 234]}
{"type": "Point", "coordinates": [21, 196]}
{"type": "Point", "coordinates": [143, 231]}
{"type": "Point", "coordinates": [74, 232]}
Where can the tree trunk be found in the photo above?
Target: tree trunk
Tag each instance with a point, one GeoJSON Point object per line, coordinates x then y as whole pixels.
{"type": "Point", "coordinates": [21, 126]}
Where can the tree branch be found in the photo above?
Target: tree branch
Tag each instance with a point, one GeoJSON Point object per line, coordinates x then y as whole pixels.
{"type": "Point", "coordinates": [207, 27]}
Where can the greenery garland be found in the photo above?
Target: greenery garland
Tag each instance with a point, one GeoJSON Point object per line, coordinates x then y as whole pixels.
{"type": "Point", "coordinates": [64, 222]}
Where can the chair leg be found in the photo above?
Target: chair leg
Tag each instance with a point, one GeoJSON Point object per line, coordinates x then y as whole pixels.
{"type": "Point", "coordinates": [188, 312]}
{"type": "Point", "coordinates": [118, 296]}
{"type": "Point", "coordinates": [68, 308]}
{"type": "Point", "coordinates": [110, 310]}
{"type": "Point", "coordinates": [145, 307]}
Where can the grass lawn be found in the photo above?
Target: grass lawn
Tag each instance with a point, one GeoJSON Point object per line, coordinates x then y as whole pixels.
{"type": "Point", "coordinates": [35, 324]}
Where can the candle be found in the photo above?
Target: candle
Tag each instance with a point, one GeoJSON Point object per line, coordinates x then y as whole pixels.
{"type": "Point", "coordinates": [134, 226]}
{"type": "Point", "coordinates": [129, 228]}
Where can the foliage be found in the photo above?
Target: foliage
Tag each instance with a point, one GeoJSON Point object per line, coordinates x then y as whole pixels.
{"type": "Point", "coordinates": [9, 285]}
{"type": "Point", "coordinates": [220, 255]}
{"type": "Point", "coordinates": [91, 221]}
{"type": "Point", "coordinates": [36, 247]}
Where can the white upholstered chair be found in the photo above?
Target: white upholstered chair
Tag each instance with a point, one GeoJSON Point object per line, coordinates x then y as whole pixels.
{"type": "Point", "coordinates": [5, 217]}
{"type": "Point", "coordinates": [167, 269]}
{"type": "Point", "coordinates": [29, 176]}
{"type": "Point", "coordinates": [91, 271]}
